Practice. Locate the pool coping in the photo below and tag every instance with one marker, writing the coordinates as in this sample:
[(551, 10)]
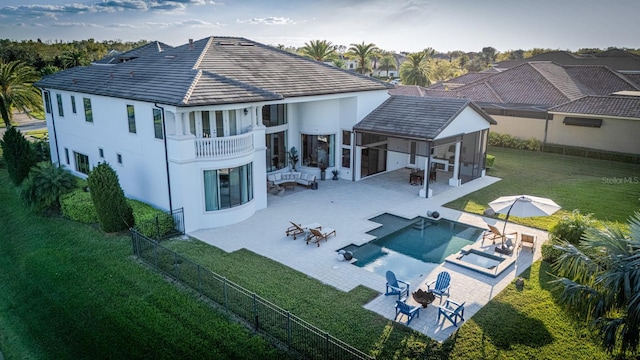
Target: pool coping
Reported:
[(505, 263)]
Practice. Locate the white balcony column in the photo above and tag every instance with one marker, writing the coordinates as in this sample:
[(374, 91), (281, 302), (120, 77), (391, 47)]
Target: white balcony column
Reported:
[(258, 112), (455, 181), (425, 181), (180, 124)]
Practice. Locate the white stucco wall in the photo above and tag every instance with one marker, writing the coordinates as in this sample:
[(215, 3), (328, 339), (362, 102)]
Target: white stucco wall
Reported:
[(468, 121), (620, 135)]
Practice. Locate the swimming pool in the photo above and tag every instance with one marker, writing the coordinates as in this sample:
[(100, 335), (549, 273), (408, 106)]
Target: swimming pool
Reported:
[(411, 247)]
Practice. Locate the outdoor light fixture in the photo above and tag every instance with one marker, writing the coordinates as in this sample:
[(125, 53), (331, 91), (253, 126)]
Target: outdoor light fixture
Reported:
[(246, 111)]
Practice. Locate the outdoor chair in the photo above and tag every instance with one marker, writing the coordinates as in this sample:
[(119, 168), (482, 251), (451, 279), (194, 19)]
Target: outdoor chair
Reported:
[(320, 233), (528, 240), (395, 286), (452, 310), (440, 286), (298, 229), (494, 233), (403, 308)]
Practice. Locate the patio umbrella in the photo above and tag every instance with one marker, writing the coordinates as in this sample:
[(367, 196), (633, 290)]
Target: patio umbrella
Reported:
[(523, 206)]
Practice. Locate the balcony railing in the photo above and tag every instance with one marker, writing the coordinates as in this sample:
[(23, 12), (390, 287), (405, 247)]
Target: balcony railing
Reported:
[(220, 147)]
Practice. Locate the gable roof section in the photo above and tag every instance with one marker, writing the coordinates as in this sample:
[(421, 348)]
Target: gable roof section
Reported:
[(422, 118), (213, 71), (614, 106), (144, 50)]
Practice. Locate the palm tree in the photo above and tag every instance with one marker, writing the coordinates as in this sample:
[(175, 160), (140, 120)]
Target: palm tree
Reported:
[(362, 52), (75, 58), (601, 279), (415, 71), (319, 50), (45, 184), (339, 63), (17, 90), (387, 63)]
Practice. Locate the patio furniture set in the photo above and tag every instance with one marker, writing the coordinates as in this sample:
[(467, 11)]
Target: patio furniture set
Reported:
[(451, 310), (313, 232), (509, 240)]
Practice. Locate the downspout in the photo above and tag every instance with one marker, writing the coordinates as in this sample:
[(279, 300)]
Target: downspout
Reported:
[(166, 156), (546, 127), (53, 123), (428, 170)]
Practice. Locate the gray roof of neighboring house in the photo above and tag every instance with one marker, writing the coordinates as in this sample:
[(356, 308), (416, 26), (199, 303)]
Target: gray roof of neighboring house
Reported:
[(460, 80), (616, 59), (543, 84), (616, 106), (415, 117), (144, 50), (633, 77), (220, 70), (408, 90)]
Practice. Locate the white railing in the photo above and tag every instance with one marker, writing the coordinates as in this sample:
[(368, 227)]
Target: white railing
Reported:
[(224, 146)]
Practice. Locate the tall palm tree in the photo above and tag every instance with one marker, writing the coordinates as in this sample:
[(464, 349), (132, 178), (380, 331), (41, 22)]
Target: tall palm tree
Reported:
[(601, 279), (75, 58), (415, 71), (17, 90), (362, 52), (387, 63), (319, 50)]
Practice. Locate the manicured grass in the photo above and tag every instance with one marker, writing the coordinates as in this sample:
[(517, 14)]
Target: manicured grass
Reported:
[(38, 134), (609, 190), (67, 291)]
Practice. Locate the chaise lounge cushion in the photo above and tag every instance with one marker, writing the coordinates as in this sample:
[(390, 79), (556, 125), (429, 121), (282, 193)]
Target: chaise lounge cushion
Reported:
[(299, 177)]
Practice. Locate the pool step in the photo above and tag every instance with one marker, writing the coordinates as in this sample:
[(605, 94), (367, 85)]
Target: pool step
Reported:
[(421, 224)]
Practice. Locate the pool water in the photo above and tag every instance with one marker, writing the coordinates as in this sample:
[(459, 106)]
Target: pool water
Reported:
[(411, 247)]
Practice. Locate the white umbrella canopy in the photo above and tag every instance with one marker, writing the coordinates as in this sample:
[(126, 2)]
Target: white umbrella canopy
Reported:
[(523, 206)]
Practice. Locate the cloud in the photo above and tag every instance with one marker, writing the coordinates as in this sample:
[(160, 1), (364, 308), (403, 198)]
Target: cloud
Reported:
[(195, 23), (272, 20), (76, 25)]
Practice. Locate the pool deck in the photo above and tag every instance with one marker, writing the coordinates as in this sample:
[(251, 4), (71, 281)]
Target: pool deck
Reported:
[(346, 206)]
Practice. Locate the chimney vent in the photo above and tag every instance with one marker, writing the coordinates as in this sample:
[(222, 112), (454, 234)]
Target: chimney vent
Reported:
[(190, 44)]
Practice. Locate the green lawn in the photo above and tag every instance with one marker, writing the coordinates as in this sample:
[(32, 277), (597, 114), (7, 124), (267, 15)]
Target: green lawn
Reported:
[(64, 285), (609, 190)]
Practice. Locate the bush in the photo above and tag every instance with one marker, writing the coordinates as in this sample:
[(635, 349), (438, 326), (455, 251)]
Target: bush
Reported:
[(549, 252), (44, 186), (18, 155), (571, 227), (508, 141), (490, 160), (114, 213), (146, 223), (77, 205), (41, 150)]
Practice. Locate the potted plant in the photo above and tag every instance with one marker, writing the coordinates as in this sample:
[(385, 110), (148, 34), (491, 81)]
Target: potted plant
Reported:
[(335, 173), (293, 157), (323, 170)]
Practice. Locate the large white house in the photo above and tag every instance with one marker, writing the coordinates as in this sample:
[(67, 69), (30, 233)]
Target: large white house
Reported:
[(200, 126)]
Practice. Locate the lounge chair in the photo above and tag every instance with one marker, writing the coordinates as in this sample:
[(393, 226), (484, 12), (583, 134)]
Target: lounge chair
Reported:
[(494, 233), (298, 229), (440, 286), (395, 286), (528, 240), (403, 308), (451, 310), (320, 233)]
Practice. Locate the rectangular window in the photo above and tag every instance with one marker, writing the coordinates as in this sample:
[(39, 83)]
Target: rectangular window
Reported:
[(578, 121), (120, 159), (274, 115), (88, 113), (47, 102), (346, 149), (206, 124), (73, 104), (276, 151), (66, 155), (60, 108), (219, 124), (131, 115), (318, 150), (226, 188), (157, 124), (101, 152), (82, 163)]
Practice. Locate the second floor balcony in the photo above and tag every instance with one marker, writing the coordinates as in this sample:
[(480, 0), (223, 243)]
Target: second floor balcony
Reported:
[(223, 147)]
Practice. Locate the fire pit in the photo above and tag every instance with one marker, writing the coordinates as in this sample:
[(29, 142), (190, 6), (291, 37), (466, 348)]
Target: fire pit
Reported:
[(423, 297)]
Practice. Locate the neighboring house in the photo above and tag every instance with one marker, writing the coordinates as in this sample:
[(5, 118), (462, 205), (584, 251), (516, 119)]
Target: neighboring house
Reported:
[(519, 98), (616, 59), (598, 122), (115, 57), (200, 126)]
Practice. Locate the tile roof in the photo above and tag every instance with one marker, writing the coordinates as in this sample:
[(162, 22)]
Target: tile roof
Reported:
[(144, 50), (616, 106), (415, 117), (541, 84), (459, 81), (219, 70), (408, 90), (616, 59)]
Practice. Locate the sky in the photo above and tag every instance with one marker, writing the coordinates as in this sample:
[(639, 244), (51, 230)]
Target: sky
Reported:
[(393, 25)]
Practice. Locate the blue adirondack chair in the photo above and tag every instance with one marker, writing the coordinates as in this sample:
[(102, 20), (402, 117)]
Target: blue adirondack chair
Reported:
[(451, 310), (396, 287), (440, 286), (403, 308)]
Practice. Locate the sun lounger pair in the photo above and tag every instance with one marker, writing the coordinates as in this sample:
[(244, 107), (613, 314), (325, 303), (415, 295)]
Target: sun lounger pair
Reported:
[(315, 230), (299, 229)]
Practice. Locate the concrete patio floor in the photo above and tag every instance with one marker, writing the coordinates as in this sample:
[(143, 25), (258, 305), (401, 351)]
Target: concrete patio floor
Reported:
[(346, 206)]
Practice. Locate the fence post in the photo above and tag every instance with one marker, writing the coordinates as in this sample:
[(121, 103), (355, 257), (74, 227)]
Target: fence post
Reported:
[(155, 254), (226, 298), (289, 329), (157, 228), (255, 311), (326, 345)]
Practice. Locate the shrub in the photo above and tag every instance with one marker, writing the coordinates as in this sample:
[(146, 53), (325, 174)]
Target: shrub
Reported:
[(146, 222), (18, 155), (549, 252), (114, 213), (77, 205), (45, 184), (41, 150), (490, 160), (571, 227)]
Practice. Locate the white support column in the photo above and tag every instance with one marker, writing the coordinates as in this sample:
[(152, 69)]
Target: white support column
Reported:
[(425, 180), (180, 124), (455, 181), (257, 114)]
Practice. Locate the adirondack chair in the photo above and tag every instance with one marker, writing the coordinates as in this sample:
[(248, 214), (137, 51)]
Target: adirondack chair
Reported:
[(440, 286), (453, 311), (395, 286), (403, 308)]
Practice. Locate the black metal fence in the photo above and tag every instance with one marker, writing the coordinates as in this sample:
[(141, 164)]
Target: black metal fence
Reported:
[(263, 316), (163, 226)]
